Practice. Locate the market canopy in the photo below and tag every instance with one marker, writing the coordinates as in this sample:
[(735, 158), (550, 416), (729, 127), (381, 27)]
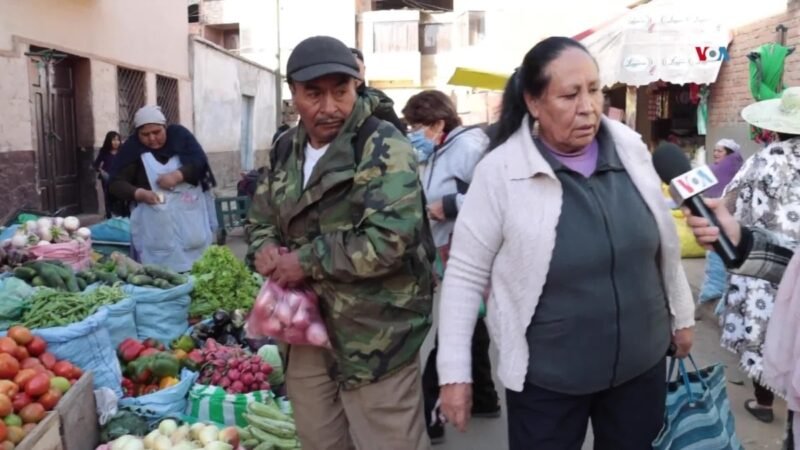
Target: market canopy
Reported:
[(677, 41), (478, 79)]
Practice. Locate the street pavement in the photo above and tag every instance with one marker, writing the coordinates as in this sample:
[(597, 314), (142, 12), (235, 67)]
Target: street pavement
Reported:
[(491, 434)]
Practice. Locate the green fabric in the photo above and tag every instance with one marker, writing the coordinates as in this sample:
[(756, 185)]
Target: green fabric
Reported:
[(702, 111), (766, 72), (359, 233), (212, 403)]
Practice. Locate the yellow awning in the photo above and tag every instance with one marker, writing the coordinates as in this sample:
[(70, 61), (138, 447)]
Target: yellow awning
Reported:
[(478, 79)]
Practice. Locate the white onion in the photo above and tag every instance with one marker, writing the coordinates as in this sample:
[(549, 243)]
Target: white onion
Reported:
[(44, 223), (196, 429), (208, 434), (122, 442), (71, 224), (162, 443), (167, 427), (216, 445), (19, 240), (84, 233), (150, 439), (58, 222), (30, 226), (45, 233)]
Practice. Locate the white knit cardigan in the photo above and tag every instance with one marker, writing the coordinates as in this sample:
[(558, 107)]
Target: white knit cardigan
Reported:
[(505, 234)]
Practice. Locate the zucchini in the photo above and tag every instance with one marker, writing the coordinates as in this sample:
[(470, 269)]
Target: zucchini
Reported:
[(122, 272), (89, 276), (140, 280), (162, 284), (164, 273), (278, 442), (107, 278), (24, 273), (278, 428), (52, 277), (261, 446), (269, 411)]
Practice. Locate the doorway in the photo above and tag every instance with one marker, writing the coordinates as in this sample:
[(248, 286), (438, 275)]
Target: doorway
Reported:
[(246, 142), (58, 154)]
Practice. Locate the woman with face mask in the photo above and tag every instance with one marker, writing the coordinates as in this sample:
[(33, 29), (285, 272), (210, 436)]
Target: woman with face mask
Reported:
[(448, 153)]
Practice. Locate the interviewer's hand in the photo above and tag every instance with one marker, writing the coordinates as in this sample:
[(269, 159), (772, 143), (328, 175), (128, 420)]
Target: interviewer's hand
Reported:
[(705, 233)]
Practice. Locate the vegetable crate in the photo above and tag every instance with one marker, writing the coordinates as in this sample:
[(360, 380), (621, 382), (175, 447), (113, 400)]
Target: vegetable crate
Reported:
[(78, 416), (45, 436), (231, 213)]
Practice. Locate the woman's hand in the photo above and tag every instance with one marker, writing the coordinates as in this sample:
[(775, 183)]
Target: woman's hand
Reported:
[(682, 340), (145, 196), (170, 180), (707, 234), (457, 404), (436, 211)]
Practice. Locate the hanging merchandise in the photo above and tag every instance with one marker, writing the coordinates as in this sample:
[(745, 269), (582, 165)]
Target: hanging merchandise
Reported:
[(702, 110), (766, 78)]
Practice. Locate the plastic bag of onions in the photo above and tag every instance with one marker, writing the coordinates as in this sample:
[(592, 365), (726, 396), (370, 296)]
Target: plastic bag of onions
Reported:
[(291, 316)]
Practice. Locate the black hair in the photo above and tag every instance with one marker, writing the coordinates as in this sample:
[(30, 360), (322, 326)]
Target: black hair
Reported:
[(358, 54), (107, 142), (530, 77), (786, 136)]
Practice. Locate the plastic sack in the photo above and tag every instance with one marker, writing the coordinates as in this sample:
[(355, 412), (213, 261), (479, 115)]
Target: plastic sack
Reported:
[(8, 232), (689, 246), (291, 316), (121, 323), (77, 255), (117, 230), (166, 402), (715, 281), (212, 403), (87, 345), (161, 314), (13, 300)]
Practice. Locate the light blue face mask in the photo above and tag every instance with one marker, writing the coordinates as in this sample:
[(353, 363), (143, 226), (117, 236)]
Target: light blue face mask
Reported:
[(422, 144)]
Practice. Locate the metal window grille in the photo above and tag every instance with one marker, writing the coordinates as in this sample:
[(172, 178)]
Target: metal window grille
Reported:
[(131, 97), (167, 98)]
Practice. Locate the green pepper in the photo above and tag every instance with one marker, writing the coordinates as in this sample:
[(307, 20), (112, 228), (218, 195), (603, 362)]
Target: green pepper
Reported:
[(185, 343), (165, 365)]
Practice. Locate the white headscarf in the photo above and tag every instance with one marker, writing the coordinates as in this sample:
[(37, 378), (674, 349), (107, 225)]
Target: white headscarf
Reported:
[(729, 144), (149, 114)]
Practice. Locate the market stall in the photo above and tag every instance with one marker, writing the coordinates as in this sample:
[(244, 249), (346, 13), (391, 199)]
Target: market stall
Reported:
[(135, 356), (657, 64)]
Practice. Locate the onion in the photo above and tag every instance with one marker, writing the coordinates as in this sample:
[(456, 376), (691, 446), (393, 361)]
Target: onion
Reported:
[(317, 334), (30, 226), (180, 434), (44, 223), (84, 233), (43, 243), (150, 439), (162, 443), (195, 430), (208, 434), (19, 240), (58, 222), (167, 427), (33, 239), (218, 446), (283, 312), (5, 243), (44, 233), (302, 319), (126, 442), (71, 224), (185, 445)]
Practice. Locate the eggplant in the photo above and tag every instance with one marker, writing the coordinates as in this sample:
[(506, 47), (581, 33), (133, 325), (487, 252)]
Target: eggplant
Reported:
[(221, 318)]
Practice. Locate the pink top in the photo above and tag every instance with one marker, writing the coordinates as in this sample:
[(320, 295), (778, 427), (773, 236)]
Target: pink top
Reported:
[(584, 162)]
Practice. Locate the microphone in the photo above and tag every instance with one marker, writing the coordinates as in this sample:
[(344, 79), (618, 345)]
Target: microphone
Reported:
[(686, 186)]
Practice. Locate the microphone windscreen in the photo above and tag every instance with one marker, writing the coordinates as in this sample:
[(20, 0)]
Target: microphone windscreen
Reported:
[(670, 162)]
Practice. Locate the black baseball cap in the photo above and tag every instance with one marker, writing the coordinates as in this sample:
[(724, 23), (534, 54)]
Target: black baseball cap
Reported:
[(319, 56)]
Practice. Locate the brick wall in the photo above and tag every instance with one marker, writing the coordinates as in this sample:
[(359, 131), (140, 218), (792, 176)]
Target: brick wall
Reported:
[(731, 92)]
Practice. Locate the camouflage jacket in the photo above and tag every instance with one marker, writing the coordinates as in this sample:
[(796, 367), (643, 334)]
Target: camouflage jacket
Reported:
[(358, 229)]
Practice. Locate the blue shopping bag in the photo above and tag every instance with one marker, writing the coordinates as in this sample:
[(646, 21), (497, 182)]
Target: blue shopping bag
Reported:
[(698, 414)]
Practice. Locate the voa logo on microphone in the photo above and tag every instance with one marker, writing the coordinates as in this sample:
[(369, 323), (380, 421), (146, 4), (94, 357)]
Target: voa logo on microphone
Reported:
[(694, 182)]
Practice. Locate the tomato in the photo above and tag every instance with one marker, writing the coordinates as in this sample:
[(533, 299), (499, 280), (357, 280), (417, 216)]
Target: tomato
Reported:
[(3, 432), (60, 383), (8, 345), (36, 346), (8, 388), (32, 413), (6, 407), (63, 369), (30, 363), (13, 420), (21, 353), (50, 399), (20, 401), (16, 434), (28, 427), (77, 373), (24, 375), (21, 335), (37, 385), (9, 366), (7, 445), (48, 360)]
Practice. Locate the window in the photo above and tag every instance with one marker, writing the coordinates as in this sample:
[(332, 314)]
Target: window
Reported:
[(436, 38), (194, 13), (230, 39), (167, 98), (477, 27), (130, 97), (389, 37)]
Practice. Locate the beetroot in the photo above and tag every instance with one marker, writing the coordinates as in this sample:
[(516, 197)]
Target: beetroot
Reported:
[(215, 378), (247, 378), (264, 386), (237, 386), (260, 376), (234, 374)]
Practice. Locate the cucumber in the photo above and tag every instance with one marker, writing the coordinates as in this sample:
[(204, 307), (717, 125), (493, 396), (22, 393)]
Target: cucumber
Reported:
[(267, 411), (122, 272), (164, 273), (81, 284), (107, 278), (275, 427), (24, 273), (261, 446), (140, 280), (52, 277), (162, 284), (89, 276), (37, 281), (278, 442)]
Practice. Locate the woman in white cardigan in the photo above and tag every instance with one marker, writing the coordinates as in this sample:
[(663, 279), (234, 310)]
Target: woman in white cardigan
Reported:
[(566, 219)]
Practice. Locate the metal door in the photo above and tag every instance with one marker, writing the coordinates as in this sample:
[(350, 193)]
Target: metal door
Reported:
[(246, 142)]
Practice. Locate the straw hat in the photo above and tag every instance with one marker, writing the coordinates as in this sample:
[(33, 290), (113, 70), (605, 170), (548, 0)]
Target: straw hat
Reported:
[(781, 115)]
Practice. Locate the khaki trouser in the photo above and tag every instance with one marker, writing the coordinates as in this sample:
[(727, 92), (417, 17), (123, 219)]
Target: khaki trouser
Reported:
[(386, 415)]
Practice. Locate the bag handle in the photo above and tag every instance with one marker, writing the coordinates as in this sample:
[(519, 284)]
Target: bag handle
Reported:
[(684, 374)]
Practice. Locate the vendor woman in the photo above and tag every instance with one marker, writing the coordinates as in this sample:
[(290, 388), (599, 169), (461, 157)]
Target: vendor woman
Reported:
[(163, 174)]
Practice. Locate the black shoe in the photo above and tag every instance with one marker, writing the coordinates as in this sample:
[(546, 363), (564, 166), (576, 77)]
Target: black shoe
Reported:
[(763, 414), (436, 433), (486, 413)]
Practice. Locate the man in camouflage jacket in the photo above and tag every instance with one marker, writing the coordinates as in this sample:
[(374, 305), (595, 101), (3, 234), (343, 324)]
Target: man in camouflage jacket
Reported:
[(354, 224)]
